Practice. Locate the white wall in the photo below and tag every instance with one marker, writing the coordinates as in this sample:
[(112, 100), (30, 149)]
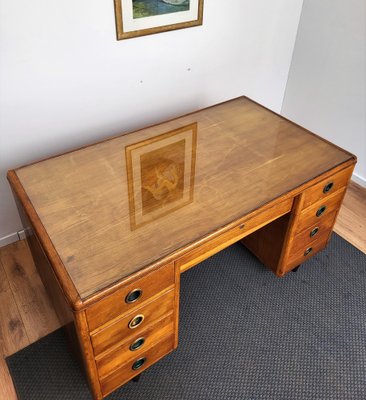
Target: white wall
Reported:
[(66, 81), (326, 90)]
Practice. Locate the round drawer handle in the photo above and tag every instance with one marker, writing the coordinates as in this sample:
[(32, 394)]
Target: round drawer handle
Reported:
[(136, 321), (321, 211), (314, 231), (328, 187), (138, 363), (133, 296), (308, 251), (138, 343)]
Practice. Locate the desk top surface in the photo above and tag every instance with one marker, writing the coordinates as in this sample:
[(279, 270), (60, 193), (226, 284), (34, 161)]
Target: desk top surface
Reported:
[(114, 207)]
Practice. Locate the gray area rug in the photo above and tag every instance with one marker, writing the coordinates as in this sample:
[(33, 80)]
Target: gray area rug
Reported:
[(244, 334)]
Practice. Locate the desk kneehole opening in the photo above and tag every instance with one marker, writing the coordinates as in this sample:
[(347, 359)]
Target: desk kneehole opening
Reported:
[(138, 363), (136, 321)]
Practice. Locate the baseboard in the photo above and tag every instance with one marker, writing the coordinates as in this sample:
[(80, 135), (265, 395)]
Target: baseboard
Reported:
[(360, 180), (13, 237)]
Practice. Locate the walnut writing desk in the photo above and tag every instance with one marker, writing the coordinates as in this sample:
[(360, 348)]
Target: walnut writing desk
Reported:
[(114, 224)]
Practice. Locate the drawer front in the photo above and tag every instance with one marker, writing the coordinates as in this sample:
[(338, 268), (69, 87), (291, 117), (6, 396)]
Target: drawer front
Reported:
[(140, 342), (140, 290), (224, 240), (327, 187), (319, 211), (301, 251), (314, 232), (126, 372), (122, 329)]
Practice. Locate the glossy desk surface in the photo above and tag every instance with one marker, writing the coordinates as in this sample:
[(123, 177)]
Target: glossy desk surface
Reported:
[(114, 207)]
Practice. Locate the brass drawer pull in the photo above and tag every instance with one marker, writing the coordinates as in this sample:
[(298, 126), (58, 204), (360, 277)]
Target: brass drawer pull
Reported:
[(314, 231), (328, 187), (136, 321), (308, 251), (138, 363), (138, 343), (321, 211), (133, 296)]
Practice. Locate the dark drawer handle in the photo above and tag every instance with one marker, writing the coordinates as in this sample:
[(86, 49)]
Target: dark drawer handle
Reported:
[(321, 211), (314, 231), (133, 296), (138, 363), (308, 251), (136, 321), (328, 187), (138, 343)]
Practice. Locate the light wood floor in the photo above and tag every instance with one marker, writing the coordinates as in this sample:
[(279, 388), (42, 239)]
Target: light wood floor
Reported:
[(25, 311)]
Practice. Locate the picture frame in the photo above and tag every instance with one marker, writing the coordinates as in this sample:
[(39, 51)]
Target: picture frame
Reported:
[(160, 174), (144, 17)]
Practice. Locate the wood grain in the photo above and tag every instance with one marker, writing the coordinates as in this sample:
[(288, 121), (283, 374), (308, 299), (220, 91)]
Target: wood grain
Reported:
[(351, 221), (252, 167), (122, 354), (246, 227), (152, 285), (317, 192), (13, 336), (126, 373), (28, 289), (246, 155), (308, 216), (120, 331)]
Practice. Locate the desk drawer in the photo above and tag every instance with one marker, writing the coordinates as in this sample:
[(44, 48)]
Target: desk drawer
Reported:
[(122, 329), (233, 235), (301, 252), (322, 226), (116, 304), (327, 187), (319, 211), (141, 341), (126, 371)]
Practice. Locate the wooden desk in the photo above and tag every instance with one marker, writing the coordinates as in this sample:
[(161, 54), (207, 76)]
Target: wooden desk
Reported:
[(114, 224)]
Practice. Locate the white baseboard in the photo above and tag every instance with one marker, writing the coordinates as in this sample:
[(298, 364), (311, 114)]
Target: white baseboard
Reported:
[(359, 180), (13, 237)]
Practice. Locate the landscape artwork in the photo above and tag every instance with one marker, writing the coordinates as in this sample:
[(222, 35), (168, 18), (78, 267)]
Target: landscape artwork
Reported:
[(148, 8), (144, 17)]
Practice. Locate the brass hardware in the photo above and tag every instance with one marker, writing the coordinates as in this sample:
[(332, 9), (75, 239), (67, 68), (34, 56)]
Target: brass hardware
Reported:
[(314, 231), (321, 211), (138, 363), (136, 321), (328, 187), (133, 296), (138, 343), (308, 251)]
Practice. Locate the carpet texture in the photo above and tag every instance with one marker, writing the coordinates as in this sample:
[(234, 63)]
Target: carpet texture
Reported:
[(244, 334)]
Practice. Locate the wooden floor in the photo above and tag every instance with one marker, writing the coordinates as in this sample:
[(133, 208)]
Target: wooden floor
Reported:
[(26, 314)]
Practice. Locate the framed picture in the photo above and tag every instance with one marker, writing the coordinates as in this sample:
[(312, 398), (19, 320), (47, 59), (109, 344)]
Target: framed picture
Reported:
[(144, 17), (160, 174)]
